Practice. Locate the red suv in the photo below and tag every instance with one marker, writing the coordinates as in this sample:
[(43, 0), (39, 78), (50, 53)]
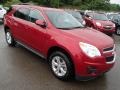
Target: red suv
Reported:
[(70, 49), (100, 22)]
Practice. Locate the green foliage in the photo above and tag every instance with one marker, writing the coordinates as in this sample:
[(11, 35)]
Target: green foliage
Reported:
[(79, 4)]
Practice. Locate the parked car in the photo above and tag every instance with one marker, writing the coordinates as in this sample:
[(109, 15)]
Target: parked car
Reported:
[(70, 49), (100, 22), (115, 18), (2, 13), (78, 16)]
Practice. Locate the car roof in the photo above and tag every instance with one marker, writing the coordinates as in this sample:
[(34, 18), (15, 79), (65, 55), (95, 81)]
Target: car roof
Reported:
[(38, 7)]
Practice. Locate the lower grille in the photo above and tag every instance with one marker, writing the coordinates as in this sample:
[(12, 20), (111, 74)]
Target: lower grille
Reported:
[(109, 59), (108, 28)]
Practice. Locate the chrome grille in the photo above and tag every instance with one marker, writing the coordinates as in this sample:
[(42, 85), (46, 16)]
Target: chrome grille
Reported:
[(108, 27)]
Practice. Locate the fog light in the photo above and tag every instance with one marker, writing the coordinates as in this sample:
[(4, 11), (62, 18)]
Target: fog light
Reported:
[(92, 70)]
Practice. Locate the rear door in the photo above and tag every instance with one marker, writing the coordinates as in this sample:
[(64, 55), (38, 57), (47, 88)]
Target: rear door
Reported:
[(20, 20)]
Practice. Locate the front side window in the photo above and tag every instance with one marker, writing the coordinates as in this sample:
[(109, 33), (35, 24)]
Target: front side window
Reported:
[(63, 20), (35, 15), (22, 13)]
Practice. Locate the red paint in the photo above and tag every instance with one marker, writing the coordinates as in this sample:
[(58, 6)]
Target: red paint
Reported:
[(91, 22), (42, 39)]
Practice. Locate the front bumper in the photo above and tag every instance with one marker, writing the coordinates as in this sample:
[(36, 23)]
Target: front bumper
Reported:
[(91, 68), (107, 31)]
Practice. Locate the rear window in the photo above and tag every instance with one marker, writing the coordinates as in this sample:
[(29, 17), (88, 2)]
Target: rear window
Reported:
[(10, 9), (22, 13)]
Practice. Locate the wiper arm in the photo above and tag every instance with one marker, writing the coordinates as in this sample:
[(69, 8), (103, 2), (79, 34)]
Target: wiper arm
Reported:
[(77, 27), (65, 28), (71, 28)]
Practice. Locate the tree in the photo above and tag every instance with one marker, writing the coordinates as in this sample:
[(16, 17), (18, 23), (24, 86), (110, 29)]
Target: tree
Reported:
[(80, 4)]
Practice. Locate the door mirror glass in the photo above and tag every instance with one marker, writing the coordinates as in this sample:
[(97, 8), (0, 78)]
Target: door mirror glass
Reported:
[(41, 23)]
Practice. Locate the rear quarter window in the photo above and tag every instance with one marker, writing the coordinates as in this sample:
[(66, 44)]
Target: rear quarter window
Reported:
[(22, 13), (9, 10)]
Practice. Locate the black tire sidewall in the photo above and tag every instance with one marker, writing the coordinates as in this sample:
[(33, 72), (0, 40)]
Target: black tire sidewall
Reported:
[(69, 74), (12, 39)]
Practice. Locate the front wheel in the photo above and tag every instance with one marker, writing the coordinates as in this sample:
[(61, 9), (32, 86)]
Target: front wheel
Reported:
[(9, 39), (61, 66)]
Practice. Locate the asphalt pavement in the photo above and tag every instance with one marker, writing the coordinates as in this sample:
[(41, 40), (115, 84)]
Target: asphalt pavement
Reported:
[(20, 69)]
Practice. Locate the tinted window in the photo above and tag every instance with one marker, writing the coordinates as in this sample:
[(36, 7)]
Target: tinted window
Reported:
[(35, 15), (115, 16), (99, 16), (9, 9), (22, 13), (89, 15)]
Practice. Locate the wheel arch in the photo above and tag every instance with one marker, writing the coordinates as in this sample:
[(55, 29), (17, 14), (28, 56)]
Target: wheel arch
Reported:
[(57, 48), (6, 28)]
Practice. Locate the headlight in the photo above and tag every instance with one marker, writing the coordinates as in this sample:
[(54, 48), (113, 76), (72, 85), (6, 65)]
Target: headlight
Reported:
[(114, 25), (84, 23), (98, 24), (90, 50)]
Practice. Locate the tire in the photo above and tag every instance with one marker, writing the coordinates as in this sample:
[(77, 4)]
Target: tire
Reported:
[(110, 34), (9, 38), (61, 66), (118, 31)]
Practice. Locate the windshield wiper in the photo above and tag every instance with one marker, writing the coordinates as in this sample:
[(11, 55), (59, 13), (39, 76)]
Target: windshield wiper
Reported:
[(64, 28), (78, 27), (71, 28)]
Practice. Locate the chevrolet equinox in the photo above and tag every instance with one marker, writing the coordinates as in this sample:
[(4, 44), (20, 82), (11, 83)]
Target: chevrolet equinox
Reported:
[(70, 49)]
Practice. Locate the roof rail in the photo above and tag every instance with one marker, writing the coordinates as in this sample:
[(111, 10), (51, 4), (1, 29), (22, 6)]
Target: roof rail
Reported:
[(25, 4)]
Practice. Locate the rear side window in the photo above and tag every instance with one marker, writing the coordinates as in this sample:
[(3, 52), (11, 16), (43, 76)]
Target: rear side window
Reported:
[(9, 10), (90, 15), (35, 15), (22, 13)]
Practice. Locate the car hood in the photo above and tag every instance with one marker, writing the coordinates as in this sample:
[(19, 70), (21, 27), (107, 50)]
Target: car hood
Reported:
[(91, 36), (105, 23)]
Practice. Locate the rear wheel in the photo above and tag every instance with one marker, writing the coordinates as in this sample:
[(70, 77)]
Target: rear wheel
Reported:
[(61, 66), (9, 38)]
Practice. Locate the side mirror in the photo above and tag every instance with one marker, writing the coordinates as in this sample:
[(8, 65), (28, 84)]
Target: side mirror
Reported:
[(41, 23), (90, 18)]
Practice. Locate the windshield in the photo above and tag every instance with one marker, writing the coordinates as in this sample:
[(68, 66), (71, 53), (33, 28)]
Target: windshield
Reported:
[(75, 14), (63, 20), (98, 16), (115, 16)]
